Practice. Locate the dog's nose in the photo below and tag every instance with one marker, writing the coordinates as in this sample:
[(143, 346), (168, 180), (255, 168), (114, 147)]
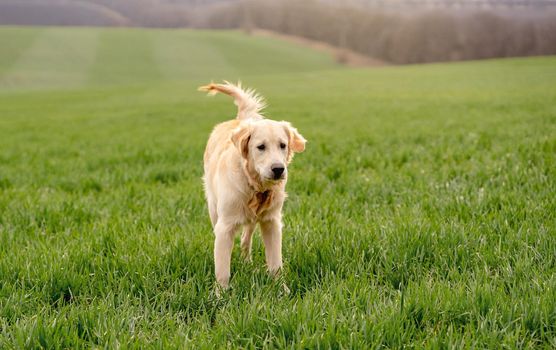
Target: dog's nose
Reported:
[(277, 170)]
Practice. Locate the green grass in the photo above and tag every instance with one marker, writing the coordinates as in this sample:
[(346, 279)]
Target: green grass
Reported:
[(422, 213), (54, 58), (62, 58), (14, 41)]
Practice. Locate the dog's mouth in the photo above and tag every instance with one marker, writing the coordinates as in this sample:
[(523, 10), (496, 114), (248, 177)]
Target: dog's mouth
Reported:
[(273, 178)]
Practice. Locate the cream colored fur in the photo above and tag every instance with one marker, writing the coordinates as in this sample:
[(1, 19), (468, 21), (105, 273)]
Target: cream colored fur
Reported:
[(242, 162)]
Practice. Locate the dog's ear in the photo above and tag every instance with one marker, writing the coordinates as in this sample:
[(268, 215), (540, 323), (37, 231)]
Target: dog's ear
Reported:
[(296, 140), (240, 138)]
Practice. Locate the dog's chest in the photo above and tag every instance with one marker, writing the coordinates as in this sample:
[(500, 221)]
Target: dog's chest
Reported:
[(260, 202)]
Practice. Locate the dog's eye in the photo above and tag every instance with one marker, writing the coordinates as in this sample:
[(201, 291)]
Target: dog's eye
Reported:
[(282, 145), (261, 147)]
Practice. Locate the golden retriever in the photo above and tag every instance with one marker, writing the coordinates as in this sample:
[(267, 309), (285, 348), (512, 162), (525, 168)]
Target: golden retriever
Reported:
[(245, 166)]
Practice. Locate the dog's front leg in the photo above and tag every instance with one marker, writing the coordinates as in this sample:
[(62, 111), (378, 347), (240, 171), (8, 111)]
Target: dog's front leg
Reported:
[(272, 237), (223, 245)]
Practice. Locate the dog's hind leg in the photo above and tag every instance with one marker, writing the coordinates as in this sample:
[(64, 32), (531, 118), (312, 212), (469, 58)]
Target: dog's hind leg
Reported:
[(246, 238)]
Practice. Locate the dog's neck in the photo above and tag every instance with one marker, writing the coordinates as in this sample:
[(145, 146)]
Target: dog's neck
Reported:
[(252, 177), (260, 201), (254, 180), (261, 195)]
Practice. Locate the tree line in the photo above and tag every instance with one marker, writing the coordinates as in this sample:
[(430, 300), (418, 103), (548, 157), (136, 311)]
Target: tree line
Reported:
[(399, 37)]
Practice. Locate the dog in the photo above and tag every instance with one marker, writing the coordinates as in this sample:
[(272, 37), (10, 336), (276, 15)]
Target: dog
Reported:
[(245, 175)]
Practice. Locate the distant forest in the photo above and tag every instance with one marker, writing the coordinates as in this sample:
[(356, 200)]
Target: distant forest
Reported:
[(397, 31)]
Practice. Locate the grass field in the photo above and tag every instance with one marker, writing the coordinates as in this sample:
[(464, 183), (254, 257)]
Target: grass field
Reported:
[(422, 213)]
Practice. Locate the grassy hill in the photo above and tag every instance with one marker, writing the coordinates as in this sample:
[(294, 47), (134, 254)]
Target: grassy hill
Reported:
[(80, 57), (58, 12), (421, 213)]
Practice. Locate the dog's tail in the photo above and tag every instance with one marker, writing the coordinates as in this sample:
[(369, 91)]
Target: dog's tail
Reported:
[(249, 103)]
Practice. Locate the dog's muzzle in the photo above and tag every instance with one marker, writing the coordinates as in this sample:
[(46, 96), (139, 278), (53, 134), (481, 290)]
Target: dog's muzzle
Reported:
[(277, 171)]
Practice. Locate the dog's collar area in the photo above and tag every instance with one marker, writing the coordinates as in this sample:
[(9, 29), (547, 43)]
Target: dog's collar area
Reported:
[(260, 201), (261, 197), (252, 180)]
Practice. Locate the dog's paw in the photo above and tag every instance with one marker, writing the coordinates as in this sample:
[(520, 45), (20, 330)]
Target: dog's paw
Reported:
[(246, 257), (219, 291), (285, 291)]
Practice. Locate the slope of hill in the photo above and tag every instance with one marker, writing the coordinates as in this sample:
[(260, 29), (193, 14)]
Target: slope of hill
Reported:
[(439, 31), (145, 13), (58, 12), (77, 57)]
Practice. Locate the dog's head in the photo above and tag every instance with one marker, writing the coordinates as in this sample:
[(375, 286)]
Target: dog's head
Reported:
[(268, 147)]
